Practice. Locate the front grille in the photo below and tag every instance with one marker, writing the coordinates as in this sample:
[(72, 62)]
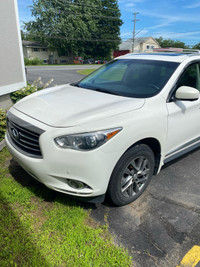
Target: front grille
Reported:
[(24, 137)]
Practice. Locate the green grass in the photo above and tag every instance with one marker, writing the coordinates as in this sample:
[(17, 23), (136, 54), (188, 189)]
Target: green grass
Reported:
[(113, 74), (86, 72), (39, 227)]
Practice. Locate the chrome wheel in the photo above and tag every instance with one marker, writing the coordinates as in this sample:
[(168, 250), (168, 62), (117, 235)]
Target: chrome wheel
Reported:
[(135, 176)]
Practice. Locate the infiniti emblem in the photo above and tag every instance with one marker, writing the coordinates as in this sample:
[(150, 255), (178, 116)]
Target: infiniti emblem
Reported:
[(15, 133)]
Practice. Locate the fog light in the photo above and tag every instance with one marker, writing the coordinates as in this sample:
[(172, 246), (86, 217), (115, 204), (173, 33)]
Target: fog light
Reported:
[(76, 184)]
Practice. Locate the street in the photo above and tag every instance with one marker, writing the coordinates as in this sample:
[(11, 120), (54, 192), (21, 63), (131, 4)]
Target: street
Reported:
[(161, 226), (61, 74)]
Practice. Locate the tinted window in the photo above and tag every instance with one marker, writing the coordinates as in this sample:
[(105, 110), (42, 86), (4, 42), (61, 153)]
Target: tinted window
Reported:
[(190, 77), (134, 78)]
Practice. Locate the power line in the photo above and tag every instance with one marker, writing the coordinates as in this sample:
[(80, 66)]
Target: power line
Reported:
[(93, 6), (94, 16), (88, 15), (71, 39), (78, 14)]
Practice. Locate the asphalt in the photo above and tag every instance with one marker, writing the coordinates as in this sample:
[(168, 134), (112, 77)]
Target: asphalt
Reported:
[(161, 226), (164, 223), (59, 74)]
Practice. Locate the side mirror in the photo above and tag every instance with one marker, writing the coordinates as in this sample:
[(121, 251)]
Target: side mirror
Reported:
[(187, 93)]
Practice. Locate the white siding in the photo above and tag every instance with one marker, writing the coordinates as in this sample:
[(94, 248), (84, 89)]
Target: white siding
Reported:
[(12, 73)]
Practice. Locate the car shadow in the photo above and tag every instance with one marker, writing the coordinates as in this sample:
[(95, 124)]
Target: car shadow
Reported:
[(43, 192)]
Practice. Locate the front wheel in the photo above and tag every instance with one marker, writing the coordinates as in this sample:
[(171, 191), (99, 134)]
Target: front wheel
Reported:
[(131, 175)]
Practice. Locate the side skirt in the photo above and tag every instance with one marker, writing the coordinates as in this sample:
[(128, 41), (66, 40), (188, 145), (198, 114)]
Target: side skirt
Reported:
[(183, 150)]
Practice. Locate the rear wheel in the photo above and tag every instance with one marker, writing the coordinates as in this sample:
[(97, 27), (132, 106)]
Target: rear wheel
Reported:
[(131, 175)]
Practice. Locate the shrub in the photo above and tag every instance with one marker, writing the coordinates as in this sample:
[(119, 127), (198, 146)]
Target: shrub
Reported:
[(16, 96), (2, 124), (29, 89), (34, 61)]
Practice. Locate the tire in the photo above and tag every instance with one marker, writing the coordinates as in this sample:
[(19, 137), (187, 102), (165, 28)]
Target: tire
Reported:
[(131, 175)]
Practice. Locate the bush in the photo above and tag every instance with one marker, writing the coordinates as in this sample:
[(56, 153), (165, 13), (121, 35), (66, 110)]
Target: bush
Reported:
[(29, 89), (16, 96), (2, 124), (34, 61)]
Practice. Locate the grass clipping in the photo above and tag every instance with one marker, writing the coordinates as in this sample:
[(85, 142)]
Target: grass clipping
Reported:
[(39, 227)]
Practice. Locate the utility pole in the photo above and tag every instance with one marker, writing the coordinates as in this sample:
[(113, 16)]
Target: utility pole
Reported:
[(135, 14)]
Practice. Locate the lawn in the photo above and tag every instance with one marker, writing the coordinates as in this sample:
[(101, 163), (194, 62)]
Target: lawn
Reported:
[(40, 227), (86, 72)]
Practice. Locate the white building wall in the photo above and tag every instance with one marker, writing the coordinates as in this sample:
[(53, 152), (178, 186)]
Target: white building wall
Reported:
[(12, 71)]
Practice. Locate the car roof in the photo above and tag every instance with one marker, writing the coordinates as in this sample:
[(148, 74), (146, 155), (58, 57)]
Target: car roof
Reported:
[(173, 57)]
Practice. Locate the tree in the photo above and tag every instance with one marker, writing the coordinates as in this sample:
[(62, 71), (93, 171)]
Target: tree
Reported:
[(76, 27), (108, 30), (170, 43), (196, 46)]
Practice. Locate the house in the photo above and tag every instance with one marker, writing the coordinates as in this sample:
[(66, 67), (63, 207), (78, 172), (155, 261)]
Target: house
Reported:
[(33, 49), (142, 44)]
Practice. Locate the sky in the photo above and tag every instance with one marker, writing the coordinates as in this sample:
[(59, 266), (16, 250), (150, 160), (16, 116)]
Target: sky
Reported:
[(170, 19)]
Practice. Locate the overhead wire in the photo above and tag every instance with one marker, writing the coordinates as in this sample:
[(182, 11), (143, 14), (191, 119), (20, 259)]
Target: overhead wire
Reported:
[(71, 39), (94, 6)]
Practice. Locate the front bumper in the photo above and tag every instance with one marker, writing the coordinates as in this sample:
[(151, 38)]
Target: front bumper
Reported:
[(57, 166)]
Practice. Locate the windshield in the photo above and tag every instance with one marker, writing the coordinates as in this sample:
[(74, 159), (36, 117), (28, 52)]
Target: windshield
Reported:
[(130, 77)]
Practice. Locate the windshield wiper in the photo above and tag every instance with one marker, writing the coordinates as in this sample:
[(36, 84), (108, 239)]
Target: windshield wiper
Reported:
[(105, 91), (75, 84), (95, 89)]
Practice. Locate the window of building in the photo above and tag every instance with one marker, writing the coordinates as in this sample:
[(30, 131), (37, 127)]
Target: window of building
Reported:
[(44, 49), (35, 49), (63, 61)]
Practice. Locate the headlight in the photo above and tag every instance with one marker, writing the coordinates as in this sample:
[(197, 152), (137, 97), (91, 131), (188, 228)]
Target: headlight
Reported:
[(86, 141)]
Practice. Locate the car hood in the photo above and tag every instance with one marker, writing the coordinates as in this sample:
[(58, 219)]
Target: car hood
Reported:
[(66, 106)]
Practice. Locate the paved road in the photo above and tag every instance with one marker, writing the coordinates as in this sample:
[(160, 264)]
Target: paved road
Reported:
[(164, 223), (60, 74)]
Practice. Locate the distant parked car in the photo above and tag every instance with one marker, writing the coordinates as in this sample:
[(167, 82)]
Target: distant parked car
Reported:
[(78, 60), (100, 61), (88, 61)]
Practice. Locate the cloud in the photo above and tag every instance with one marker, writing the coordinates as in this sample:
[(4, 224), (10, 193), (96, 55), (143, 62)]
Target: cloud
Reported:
[(193, 5), (129, 5), (128, 1), (125, 35), (176, 35), (140, 33)]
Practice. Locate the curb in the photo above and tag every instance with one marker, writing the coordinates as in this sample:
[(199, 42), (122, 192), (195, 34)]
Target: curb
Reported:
[(2, 144)]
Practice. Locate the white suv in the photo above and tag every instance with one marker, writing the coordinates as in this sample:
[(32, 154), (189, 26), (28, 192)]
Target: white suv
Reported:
[(110, 132)]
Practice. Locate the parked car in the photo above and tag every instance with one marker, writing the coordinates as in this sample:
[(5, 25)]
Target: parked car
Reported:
[(88, 61), (110, 132), (78, 60), (99, 61)]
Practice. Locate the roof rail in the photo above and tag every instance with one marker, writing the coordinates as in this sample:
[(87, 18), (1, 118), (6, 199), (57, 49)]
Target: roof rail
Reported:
[(191, 51), (178, 50)]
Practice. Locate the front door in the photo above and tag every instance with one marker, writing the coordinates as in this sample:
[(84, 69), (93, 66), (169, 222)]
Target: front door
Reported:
[(184, 117)]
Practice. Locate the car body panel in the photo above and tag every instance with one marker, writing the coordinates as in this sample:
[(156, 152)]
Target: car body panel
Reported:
[(68, 106)]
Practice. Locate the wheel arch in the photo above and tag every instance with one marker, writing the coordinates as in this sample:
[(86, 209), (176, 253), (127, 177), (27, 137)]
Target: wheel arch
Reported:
[(155, 146)]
